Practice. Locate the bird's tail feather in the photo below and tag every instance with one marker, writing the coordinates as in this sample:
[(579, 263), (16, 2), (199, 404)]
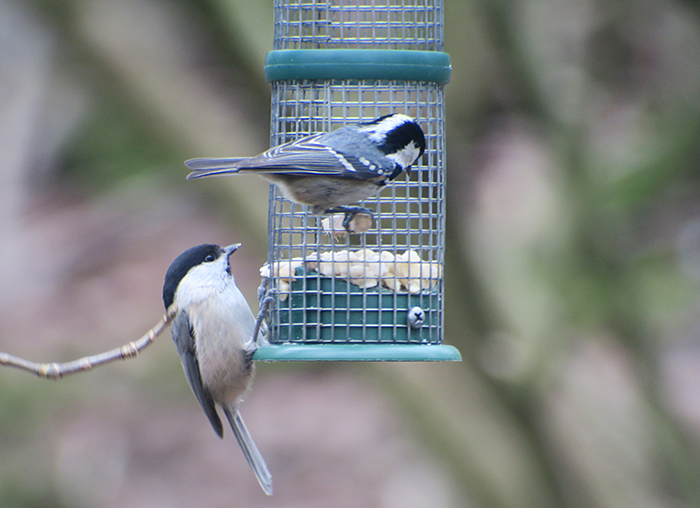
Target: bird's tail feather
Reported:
[(251, 452), (210, 166)]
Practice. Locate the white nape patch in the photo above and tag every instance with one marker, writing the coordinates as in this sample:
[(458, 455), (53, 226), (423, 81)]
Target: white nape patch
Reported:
[(406, 156), (342, 160), (380, 130), (202, 282)]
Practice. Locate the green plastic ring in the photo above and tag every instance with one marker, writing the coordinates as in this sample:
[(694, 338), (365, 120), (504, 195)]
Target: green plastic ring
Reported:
[(357, 353), (357, 64)]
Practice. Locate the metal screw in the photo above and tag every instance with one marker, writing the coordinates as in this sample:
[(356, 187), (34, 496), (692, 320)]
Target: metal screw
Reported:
[(415, 318)]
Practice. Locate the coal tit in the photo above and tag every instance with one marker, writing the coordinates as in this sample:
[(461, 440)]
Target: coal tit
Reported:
[(332, 170), (213, 333)]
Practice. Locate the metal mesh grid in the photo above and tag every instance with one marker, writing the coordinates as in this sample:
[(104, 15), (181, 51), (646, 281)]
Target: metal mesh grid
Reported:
[(359, 24), (313, 307), (409, 215)]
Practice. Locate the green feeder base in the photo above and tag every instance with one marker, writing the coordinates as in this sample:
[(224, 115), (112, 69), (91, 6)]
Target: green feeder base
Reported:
[(357, 353), (327, 310)]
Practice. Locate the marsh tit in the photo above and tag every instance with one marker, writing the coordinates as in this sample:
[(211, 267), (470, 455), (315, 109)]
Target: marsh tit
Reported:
[(213, 332), (332, 170)]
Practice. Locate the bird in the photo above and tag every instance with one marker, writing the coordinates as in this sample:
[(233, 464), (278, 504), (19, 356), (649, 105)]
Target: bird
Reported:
[(329, 171), (213, 331)]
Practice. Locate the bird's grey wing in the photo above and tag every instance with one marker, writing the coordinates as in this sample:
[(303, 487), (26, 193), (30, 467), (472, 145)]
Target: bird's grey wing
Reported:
[(183, 336), (304, 157)]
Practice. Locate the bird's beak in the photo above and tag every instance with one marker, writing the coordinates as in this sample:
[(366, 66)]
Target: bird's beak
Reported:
[(408, 171), (231, 249)]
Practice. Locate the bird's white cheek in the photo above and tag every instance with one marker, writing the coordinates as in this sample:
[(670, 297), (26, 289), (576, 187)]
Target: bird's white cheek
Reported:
[(201, 282), (406, 156)]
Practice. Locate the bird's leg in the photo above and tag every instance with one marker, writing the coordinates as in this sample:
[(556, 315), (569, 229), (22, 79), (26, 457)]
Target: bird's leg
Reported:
[(262, 290), (349, 209), (266, 300)]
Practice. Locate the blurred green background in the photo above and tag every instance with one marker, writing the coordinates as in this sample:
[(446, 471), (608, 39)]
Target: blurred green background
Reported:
[(573, 270)]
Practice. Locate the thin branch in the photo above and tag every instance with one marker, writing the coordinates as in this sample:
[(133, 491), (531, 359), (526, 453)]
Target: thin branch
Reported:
[(58, 370)]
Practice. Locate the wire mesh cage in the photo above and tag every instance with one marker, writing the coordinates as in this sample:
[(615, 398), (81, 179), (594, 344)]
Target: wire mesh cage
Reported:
[(360, 24), (377, 293)]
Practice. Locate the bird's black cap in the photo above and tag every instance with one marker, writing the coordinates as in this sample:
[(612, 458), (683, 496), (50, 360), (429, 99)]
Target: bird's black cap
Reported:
[(402, 135)]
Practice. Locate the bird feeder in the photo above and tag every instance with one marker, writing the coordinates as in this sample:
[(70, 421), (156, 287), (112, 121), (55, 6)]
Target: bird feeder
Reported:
[(375, 294)]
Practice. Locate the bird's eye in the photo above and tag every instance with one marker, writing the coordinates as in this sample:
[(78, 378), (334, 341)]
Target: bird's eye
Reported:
[(210, 258)]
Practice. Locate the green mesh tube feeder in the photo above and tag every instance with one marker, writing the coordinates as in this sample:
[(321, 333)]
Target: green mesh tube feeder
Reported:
[(375, 295)]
